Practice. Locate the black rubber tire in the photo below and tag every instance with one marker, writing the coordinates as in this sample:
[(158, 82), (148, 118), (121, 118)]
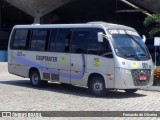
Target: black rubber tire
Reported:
[(35, 75), (97, 83), (130, 91)]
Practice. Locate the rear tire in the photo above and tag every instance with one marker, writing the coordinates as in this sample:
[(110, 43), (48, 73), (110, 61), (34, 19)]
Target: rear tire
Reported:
[(130, 91), (97, 86), (35, 79)]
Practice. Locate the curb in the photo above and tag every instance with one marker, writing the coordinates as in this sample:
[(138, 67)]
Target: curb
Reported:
[(152, 88)]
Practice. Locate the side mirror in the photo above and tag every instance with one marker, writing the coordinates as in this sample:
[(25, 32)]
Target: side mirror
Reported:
[(100, 37), (144, 38)]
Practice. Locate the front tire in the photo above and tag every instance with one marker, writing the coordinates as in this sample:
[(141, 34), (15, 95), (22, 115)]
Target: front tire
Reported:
[(97, 86), (35, 79), (131, 91)]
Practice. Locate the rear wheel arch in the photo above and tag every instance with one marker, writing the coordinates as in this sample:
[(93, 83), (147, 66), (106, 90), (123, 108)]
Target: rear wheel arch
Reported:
[(31, 70), (40, 81)]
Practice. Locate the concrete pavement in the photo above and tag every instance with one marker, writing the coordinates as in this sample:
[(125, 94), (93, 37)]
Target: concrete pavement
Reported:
[(152, 88), (16, 94)]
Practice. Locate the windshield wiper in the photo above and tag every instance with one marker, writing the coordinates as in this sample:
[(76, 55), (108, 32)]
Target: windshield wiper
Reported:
[(133, 56), (143, 55)]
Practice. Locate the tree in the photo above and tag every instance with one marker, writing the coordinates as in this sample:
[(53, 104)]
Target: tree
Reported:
[(154, 23)]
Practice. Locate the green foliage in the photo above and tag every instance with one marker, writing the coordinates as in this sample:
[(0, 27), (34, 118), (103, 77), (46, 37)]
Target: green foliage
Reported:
[(154, 31), (155, 18), (156, 81), (150, 20)]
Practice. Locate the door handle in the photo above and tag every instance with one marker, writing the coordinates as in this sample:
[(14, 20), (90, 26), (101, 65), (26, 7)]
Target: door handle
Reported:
[(71, 64)]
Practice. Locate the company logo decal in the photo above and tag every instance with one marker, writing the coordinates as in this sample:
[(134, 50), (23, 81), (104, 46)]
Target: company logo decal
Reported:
[(14, 56)]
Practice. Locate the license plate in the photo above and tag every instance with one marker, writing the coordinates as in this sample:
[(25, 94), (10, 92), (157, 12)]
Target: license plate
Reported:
[(143, 78)]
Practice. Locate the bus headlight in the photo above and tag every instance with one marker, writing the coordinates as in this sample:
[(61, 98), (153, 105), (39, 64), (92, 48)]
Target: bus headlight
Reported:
[(125, 71)]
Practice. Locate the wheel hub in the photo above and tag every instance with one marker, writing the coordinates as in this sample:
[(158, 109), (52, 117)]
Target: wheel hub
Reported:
[(35, 78), (98, 86)]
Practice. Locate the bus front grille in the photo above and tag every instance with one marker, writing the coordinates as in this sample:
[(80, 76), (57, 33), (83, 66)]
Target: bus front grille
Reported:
[(136, 74)]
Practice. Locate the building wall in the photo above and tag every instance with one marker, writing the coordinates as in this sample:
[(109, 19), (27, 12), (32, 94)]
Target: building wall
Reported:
[(76, 11)]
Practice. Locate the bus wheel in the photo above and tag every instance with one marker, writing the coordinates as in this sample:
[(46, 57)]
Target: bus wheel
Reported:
[(97, 86), (130, 91), (35, 79)]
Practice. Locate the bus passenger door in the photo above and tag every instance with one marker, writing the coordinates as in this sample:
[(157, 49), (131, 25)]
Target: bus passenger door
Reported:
[(78, 49), (62, 68), (59, 44)]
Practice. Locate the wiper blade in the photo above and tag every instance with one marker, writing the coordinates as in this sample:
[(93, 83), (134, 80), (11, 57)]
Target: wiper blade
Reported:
[(143, 55), (133, 56)]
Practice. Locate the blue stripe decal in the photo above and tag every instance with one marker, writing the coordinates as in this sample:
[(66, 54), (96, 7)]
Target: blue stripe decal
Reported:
[(30, 63)]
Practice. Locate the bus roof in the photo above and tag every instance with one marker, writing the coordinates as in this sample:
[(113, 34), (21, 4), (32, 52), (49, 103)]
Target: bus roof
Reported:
[(89, 24)]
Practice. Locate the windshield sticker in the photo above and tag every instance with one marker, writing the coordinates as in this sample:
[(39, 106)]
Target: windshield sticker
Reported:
[(116, 50), (96, 62), (134, 65)]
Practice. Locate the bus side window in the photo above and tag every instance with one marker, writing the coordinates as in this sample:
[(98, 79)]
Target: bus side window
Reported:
[(68, 40), (52, 43), (94, 46), (60, 43), (20, 39), (105, 49), (39, 39), (79, 42)]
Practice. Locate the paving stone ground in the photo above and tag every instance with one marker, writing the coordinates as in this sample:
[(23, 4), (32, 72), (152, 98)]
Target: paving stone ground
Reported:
[(16, 94)]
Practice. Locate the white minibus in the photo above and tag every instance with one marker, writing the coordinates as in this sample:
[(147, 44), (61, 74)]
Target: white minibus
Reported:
[(96, 55)]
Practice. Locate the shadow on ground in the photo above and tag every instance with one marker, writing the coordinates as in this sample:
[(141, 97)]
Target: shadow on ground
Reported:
[(73, 90)]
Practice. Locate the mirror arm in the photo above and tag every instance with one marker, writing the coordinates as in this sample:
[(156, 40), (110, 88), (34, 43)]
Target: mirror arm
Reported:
[(144, 38)]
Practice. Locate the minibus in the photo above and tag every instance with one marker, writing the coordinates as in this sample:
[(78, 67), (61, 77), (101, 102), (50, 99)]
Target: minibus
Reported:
[(97, 55)]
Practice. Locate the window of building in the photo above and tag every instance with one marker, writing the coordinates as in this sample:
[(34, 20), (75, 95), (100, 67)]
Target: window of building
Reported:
[(39, 40)]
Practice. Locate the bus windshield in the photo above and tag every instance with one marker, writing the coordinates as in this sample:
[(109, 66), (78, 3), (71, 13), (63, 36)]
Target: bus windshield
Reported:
[(130, 47)]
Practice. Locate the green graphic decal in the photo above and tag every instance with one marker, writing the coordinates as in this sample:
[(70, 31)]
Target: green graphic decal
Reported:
[(134, 65), (14, 56), (96, 62), (63, 60)]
